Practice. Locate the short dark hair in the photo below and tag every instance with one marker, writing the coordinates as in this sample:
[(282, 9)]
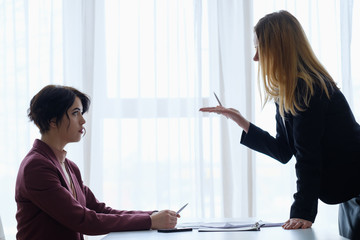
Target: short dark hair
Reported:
[(53, 101)]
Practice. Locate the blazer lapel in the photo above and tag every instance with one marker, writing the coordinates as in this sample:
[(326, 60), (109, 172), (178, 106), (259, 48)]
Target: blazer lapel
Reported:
[(78, 190), (64, 178)]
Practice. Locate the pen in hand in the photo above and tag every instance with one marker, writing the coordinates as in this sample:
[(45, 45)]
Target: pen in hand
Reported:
[(181, 208), (217, 99)]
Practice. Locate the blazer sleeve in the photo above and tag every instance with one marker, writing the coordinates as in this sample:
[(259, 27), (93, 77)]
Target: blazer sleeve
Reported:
[(44, 189), (261, 141)]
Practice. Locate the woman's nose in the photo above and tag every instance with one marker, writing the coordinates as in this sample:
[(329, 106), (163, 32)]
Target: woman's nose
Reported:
[(83, 121), (256, 56)]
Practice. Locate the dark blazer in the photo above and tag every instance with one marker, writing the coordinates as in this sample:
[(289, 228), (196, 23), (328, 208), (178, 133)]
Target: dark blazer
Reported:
[(46, 208), (325, 140)]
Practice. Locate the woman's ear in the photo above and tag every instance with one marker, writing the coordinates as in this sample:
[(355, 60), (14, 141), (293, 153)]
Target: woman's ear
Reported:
[(52, 123)]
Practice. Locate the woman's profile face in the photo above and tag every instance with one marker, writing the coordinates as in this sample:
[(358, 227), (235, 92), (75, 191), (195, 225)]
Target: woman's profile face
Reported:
[(71, 129)]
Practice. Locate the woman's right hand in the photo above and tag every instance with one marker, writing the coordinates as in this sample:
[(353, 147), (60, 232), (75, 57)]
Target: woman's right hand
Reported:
[(231, 113)]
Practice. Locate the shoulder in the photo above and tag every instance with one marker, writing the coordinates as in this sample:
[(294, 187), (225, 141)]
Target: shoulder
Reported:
[(320, 98), (35, 160), (37, 171)]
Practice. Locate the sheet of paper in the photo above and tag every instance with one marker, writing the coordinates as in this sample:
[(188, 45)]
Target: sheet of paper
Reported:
[(212, 229), (225, 225)]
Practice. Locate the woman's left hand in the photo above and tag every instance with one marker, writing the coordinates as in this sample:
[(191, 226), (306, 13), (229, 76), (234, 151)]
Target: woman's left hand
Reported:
[(296, 223)]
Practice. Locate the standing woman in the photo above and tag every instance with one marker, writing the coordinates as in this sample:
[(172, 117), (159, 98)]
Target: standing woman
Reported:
[(52, 201), (314, 123)]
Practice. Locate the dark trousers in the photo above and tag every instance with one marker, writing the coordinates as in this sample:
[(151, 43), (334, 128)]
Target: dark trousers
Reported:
[(349, 219)]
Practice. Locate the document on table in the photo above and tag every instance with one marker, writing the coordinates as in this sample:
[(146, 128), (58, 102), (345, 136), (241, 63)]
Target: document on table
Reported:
[(231, 229), (230, 226)]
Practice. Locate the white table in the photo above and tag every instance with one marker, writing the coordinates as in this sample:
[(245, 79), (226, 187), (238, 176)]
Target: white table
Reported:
[(314, 233)]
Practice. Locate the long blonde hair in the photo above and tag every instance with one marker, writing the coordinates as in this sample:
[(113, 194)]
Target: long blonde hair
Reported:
[(285, 57)]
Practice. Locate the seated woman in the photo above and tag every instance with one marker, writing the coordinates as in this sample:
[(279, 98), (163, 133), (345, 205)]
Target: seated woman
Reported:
[(52, 201)]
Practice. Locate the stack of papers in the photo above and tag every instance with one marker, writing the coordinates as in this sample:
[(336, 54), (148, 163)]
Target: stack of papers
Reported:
[(230, 226)]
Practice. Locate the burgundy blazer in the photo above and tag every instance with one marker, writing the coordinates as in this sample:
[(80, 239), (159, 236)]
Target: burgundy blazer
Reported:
[(46, 208)]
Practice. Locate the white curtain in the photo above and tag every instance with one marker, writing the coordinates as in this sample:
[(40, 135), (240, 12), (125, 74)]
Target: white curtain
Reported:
[(151, 75), (148, 66), (231, 77), (355, 59)]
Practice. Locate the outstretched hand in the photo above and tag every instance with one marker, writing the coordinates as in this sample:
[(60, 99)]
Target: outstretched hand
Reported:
[(231, 113), (296, 223)]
